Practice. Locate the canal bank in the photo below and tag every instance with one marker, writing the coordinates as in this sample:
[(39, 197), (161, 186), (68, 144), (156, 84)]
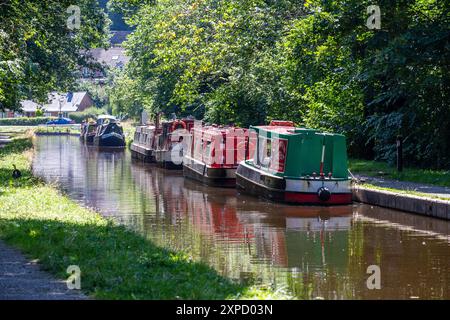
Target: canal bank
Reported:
[(421, 199), (115, 262)]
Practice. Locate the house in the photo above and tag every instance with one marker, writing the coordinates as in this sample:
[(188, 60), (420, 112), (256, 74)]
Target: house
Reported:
[(59, 104), (110, 59)]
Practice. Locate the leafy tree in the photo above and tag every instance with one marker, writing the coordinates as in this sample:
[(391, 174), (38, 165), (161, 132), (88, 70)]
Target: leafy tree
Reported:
[(315, 62), (38, 53)]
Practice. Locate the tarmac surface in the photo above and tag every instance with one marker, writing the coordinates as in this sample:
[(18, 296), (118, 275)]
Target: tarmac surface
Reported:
[(22, 279)]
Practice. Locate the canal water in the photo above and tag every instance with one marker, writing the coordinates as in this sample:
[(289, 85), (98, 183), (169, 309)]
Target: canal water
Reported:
[(310, 252)]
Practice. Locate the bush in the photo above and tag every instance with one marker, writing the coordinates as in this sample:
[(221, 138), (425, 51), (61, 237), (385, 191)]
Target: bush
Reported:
[(92, 112), (25, 121)]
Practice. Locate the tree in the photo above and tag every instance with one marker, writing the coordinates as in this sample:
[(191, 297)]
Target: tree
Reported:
[(315, 62), (38, 52)]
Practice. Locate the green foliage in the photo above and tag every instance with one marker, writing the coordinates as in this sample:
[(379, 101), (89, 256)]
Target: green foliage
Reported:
[(39, 112), (25, 121), (313, 61), (38, 53), (97, 92), (91, 112)]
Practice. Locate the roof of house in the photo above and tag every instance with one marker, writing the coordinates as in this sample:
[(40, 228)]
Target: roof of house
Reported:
[(29, 106), (112, 57), (70, 103)]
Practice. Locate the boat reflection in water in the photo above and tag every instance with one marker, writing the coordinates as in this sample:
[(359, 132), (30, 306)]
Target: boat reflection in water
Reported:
[(255, 237), (308, 251)]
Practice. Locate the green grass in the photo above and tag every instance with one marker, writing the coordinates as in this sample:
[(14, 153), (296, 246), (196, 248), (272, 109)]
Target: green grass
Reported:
[(57, 130), (116, 263), (15, 130), (377, 168)]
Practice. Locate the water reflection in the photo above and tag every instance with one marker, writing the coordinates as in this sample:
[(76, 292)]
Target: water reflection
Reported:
[(310, 251)]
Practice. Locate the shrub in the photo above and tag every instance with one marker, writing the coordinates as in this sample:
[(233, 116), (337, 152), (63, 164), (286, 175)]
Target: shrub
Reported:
[(25, 121), (92, 112)]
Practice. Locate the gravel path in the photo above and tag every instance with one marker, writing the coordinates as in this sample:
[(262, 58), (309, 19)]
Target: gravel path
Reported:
[(21, 279), (443, 192)]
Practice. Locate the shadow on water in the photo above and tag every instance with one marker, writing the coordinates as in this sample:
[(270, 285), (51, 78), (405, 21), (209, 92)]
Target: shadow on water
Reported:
[(310, 251)]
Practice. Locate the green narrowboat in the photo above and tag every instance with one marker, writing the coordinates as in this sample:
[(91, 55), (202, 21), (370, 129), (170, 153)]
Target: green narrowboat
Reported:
[(296, 165)]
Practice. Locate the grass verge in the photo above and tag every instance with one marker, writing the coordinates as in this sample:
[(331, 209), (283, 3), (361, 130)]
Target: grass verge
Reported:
[(377, 168), (115, 262)]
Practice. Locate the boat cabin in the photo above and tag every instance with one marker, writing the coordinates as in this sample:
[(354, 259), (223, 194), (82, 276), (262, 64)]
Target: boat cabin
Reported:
[(214, 153), (297, 165)]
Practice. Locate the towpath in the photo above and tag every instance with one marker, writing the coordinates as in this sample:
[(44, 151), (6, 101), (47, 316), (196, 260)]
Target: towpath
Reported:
[(426, 189), (22, 279)]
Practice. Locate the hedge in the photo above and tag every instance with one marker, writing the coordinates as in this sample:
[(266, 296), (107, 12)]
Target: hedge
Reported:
[(25, 121), (92, 112)]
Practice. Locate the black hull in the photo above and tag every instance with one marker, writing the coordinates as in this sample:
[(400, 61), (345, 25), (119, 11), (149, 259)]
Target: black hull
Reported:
[(109, 142), (212, 177), (89, 140)]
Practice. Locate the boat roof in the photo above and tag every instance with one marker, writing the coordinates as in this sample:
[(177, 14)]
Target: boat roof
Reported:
[(219, 130), (106, 116), (286, 130)]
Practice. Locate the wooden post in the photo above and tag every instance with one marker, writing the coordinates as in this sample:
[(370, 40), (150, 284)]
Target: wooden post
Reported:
[(399, 153)]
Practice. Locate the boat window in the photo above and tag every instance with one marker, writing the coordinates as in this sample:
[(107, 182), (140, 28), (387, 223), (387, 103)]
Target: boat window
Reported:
[(198, 148), (252, 142), (149, 138), (207, 154), (264, 147)]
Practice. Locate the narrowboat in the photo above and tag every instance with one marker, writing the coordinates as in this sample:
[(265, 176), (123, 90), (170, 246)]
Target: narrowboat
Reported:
[(296, 165), (88, 131), (170, 142), (214, 153), (109, 133), (162, 143), (143, 146)]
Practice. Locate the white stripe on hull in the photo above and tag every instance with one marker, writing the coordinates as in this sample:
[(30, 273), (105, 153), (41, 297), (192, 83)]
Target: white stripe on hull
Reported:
[(311, 186)]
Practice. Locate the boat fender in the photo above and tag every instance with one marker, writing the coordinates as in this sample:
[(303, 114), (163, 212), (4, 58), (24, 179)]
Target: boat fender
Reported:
[(177, 123), (324, 194)]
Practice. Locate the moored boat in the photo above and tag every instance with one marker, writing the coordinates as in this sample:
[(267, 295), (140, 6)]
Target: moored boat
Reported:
[(109, 133), (163, 142), (170, 142), (296, 165), (214, 153), (88, 131), (143, 146)]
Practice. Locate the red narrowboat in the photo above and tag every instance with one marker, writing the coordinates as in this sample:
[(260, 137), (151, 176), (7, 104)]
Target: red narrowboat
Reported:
[(214, 153)]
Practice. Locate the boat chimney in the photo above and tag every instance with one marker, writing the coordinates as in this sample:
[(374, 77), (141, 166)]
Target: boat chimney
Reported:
[(158, 120)]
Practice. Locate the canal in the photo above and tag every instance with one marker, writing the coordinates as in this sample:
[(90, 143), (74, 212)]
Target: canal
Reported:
[(309, 252)]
